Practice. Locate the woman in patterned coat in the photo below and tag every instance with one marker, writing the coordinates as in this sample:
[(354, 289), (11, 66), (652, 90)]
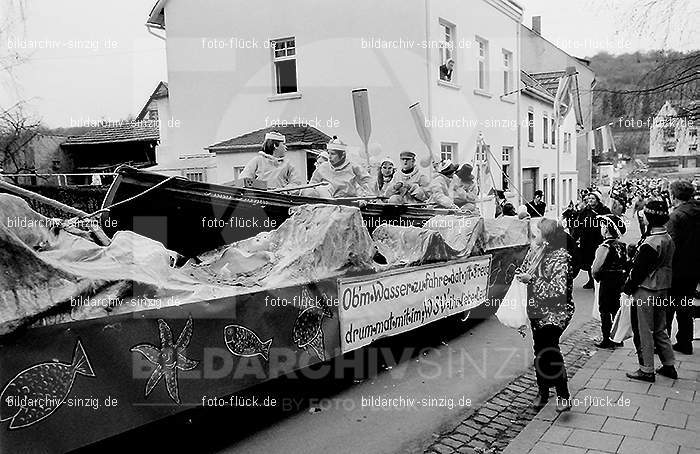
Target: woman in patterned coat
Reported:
[(550, 308)]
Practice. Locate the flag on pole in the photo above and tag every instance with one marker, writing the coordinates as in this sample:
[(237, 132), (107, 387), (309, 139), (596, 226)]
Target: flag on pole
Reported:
[(606, 138), (591, 143)]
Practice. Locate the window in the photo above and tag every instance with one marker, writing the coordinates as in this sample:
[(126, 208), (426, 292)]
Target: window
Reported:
[(482, 82), (481, 153), (552, 191), (152, 115), (194, 176), (237, 172), (448, 151), (531, 126), (571, 189), (692, 133), (669, 147), (693, 147), (544, 189), (545, 129), (505, 157), (447, 71), (554, 133), (507, 71), (567, 142), (285, 61), (669, 133)]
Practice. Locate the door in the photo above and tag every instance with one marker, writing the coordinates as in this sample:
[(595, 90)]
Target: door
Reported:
[(529, 183)]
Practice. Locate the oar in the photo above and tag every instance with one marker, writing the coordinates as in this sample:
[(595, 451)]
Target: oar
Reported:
[(350, 199), (423, 132), (295, 188), (102, 238), (363, 122)]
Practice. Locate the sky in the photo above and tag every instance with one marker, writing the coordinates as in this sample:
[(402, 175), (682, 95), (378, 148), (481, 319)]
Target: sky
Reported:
[(104, 64)]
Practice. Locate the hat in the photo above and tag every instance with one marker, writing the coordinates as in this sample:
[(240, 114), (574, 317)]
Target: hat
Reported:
[(407, 154), (657, 207), (337, 145), (597, 194), (389, 160), (539, 193), (465, 172), (274, 135), (446, 167), (616, 222)]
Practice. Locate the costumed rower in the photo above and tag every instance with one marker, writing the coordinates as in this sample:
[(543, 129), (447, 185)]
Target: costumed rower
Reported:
[(466, 190), (270, 166), (441, 188), (345, 178), (409, 185), (385, 174)]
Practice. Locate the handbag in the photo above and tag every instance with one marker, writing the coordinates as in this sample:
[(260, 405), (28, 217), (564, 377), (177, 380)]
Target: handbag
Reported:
[(622, 324), (512, 311)]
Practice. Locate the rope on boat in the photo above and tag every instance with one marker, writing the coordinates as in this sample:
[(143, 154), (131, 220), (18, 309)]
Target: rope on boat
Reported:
[(121, 202)]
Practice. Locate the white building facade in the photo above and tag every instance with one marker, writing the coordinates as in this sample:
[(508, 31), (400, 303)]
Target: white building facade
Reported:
[(233, 69), (543, 145)]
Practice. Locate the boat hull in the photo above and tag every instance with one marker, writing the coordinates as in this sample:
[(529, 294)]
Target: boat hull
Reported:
[(192, 217)]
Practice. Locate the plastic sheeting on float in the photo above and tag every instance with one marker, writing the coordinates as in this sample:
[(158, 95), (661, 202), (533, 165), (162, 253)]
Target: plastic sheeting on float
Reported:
[(316, 242)]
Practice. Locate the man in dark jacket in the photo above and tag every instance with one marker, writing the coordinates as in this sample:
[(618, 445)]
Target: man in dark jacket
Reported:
[(684, 228), (537, 206)]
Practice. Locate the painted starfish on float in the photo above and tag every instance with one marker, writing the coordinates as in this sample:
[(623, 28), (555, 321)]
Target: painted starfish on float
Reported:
[(168, 358)]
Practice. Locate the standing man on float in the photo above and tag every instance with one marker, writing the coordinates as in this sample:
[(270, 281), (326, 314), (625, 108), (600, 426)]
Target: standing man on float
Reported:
[(270, 166), (344, 178), (409, 184)]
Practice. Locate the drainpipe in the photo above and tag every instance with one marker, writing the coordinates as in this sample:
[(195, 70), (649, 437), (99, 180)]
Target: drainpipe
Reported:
[(428, 69), (518, 167)]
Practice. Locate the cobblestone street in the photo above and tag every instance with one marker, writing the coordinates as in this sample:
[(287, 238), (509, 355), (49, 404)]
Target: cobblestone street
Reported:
[(491, 427), (660, 418)]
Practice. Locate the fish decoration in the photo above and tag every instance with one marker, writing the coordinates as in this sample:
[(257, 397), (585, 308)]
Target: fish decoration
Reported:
[(308, 332), (242, 341), (45, 386), (168, 358)]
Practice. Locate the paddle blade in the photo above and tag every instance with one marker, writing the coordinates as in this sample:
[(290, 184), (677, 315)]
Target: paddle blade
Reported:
[(423, 131), (363, 122)]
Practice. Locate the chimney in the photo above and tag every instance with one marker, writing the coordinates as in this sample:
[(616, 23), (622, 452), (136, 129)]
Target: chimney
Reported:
[(537, 24)]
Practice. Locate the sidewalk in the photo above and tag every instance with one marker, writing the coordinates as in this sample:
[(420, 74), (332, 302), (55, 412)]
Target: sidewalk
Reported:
[(614, 414)]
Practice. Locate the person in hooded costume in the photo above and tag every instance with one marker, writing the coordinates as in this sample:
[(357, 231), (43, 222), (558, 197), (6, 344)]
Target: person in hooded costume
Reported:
[(587, 232), (270, 166), (344, 178), (409, 184), (441, 187)]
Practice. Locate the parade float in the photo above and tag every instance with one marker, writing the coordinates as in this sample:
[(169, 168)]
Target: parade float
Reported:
[(176, 291), (115, 336)]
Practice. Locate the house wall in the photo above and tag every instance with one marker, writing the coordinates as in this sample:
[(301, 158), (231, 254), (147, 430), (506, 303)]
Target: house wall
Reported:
[(543, 156), (539, 55), (217, 94), (682, 140)]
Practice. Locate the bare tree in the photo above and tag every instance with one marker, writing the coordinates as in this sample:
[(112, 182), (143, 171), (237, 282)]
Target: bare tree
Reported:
[(12, 20), (17, 130)]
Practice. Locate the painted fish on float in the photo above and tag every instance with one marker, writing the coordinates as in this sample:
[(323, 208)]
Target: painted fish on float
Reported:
[(243, 342), (308, 327), (46, 386)]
